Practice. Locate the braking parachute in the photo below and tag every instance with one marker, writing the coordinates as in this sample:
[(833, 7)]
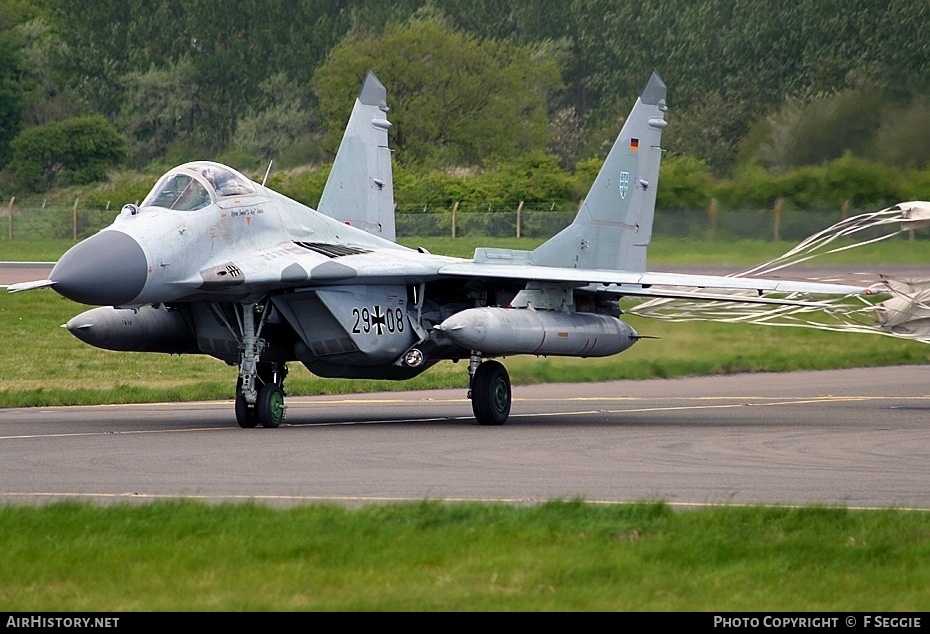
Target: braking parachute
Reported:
[(899, 307)]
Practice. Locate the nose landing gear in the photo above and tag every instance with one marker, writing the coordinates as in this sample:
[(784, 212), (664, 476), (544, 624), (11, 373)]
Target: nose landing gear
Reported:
[(269, 409), (260, 388)]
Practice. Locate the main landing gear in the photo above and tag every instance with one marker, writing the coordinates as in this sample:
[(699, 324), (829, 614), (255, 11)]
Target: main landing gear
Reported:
[(260, 388), (489, 391)]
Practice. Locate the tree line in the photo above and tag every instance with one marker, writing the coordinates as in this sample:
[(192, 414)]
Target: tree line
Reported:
[(89, 87)]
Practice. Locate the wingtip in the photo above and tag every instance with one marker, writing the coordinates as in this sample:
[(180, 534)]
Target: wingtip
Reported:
[(655, 90), (373, 92)]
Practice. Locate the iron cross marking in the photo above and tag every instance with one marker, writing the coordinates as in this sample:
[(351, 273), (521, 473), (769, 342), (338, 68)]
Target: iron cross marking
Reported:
[(377, 320)]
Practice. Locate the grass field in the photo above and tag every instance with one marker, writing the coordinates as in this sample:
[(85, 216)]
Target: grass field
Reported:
[(550, 557)]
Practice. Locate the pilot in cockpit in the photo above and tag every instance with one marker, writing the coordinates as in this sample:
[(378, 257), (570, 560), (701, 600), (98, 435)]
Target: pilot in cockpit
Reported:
[(211, 176), (225, 183)]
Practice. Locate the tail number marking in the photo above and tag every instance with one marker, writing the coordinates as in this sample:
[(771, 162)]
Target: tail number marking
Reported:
[(391, 320)]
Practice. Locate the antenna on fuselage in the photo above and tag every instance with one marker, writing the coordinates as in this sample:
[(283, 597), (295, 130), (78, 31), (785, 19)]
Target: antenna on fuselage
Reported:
[(267, 172)]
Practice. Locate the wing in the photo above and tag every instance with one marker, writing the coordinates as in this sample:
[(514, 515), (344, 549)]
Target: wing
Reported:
[(653, 284)]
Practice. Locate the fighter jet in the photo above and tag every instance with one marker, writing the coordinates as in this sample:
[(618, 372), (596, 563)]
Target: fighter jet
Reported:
[(213, 263)]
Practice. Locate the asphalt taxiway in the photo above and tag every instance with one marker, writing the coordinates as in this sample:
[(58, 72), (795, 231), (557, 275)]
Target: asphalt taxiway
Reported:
[(15, 272), (851, 438)]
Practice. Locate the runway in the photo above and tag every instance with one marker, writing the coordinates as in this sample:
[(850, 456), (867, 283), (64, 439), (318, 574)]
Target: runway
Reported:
[(15, 272), (853, 438)]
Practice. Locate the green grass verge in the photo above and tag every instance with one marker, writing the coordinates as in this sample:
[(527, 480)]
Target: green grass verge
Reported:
[(33, 250), (663, 251), (555, 556)]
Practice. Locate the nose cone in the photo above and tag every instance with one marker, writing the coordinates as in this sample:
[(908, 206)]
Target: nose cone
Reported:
[(108, 269)]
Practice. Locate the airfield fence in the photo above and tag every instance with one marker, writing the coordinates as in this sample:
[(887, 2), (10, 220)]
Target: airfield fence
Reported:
[(531, 221)]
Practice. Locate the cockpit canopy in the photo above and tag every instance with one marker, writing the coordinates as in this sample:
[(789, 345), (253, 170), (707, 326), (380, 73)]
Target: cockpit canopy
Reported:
[(196, 185)]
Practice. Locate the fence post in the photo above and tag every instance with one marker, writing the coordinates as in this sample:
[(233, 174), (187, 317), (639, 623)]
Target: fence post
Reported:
[(11, 217), (74, 218), (519, 209), (776, 212), (712, 211), (454, 209)]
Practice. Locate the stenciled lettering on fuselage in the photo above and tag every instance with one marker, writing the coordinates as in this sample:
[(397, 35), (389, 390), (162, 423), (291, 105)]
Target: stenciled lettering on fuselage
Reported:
[(248, 211), (377, 320)]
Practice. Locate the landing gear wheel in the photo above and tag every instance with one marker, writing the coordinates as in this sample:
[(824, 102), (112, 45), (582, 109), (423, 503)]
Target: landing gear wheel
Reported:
[(270, 405), (490, 394), (246, 416)]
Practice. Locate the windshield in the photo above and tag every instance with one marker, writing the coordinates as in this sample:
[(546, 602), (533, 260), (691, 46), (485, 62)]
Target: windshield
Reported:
[(178, 191)]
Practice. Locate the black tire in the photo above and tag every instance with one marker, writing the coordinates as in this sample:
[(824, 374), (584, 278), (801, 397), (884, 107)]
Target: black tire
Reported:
[(246, 416), (490, 394), (270, 405)]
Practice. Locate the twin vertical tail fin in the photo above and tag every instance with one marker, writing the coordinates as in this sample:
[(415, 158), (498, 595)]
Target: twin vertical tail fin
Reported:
[(360, 188), (614, 225), (612, 230)]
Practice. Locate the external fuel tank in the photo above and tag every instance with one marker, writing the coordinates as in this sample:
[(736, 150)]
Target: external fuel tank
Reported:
[(146, 329), (506, 331)]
